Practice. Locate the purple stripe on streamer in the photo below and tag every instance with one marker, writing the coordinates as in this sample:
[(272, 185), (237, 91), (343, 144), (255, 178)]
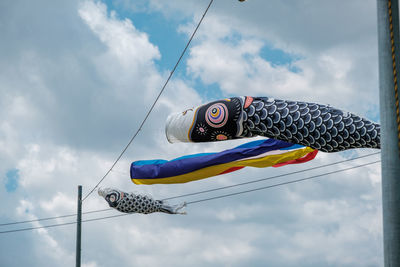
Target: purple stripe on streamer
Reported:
[(186, 165)]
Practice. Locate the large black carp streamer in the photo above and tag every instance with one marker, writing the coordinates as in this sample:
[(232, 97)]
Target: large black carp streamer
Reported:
[(134, 203), (321, 127)]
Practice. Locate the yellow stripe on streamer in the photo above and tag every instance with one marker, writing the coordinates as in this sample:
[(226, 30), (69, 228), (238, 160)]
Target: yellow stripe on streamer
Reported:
[(266, 161)]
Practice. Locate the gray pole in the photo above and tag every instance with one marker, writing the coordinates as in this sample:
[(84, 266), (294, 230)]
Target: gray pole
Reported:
[(78, 228), (388, 44)]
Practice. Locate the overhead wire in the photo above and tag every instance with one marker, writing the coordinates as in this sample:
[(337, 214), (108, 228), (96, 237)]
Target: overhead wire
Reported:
[(268, 178), (205, 199), (154, 103), (60, 224), (206, 191), (53, 218), (280, 184)]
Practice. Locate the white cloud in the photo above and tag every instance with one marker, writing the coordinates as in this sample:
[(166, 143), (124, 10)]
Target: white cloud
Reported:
[(240, 69), (129, 59), (337, 54), (48, 244), (59, 204)]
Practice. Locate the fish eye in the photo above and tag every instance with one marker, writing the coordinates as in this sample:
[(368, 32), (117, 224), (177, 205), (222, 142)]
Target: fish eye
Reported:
[(112, 197)]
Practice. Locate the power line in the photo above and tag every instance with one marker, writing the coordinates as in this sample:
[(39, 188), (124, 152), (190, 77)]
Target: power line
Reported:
[(280, 184), (61, 224), (154, 103), (202, 200), (205, 191), (269, 178), (52, 218)]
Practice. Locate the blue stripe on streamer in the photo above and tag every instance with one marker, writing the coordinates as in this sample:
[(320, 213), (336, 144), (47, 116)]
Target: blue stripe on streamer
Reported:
[(148, 169), (251, 144), (295, 146), (150, 162), (259, 142), (193, 156), (162, 161)]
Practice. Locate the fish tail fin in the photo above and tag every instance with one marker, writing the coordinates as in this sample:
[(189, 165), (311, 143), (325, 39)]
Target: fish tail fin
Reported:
[(173, 209)]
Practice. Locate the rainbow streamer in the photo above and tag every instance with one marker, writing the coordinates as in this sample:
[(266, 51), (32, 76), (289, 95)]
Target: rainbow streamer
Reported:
[(260, 154)]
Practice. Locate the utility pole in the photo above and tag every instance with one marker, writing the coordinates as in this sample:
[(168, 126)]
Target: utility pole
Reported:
[(388, 45), (79, 228)]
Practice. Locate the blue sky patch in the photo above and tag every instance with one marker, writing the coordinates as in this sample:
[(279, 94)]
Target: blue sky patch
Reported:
[(208, 92), (278, 57), (162, 32), (234, 38), (373, 114), (11, 181), (275, 56)]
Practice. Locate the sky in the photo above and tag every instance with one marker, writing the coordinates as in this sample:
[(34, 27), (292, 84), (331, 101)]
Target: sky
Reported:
[(78, 77)]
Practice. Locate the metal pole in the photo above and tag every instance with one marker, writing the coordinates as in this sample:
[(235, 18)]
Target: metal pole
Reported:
[(388, 44), (79, 228)]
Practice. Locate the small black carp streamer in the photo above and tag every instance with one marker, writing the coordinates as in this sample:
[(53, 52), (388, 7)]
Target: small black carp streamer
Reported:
[(318, 126), (135, 203)]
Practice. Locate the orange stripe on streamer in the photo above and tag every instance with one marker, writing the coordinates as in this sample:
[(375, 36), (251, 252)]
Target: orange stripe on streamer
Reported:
[(308, 157)]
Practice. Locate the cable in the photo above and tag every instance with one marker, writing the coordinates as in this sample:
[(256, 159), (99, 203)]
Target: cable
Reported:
[(61, 224), (201, 200), (268, 178), (280, 184), (33, 228), (152, 106), (206, 191), (52, 218)]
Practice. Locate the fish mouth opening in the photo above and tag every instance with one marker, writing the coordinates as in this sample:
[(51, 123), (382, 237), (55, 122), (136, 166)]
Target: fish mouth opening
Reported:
[(102, 192), (178, 125)]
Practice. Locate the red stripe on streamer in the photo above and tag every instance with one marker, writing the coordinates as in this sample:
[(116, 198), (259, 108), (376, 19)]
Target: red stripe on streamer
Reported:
[(232, 169), (308, 157)]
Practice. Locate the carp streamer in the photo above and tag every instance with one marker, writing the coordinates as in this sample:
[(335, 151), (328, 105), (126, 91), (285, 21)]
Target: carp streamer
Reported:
[(136, 203), (318, 126)]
